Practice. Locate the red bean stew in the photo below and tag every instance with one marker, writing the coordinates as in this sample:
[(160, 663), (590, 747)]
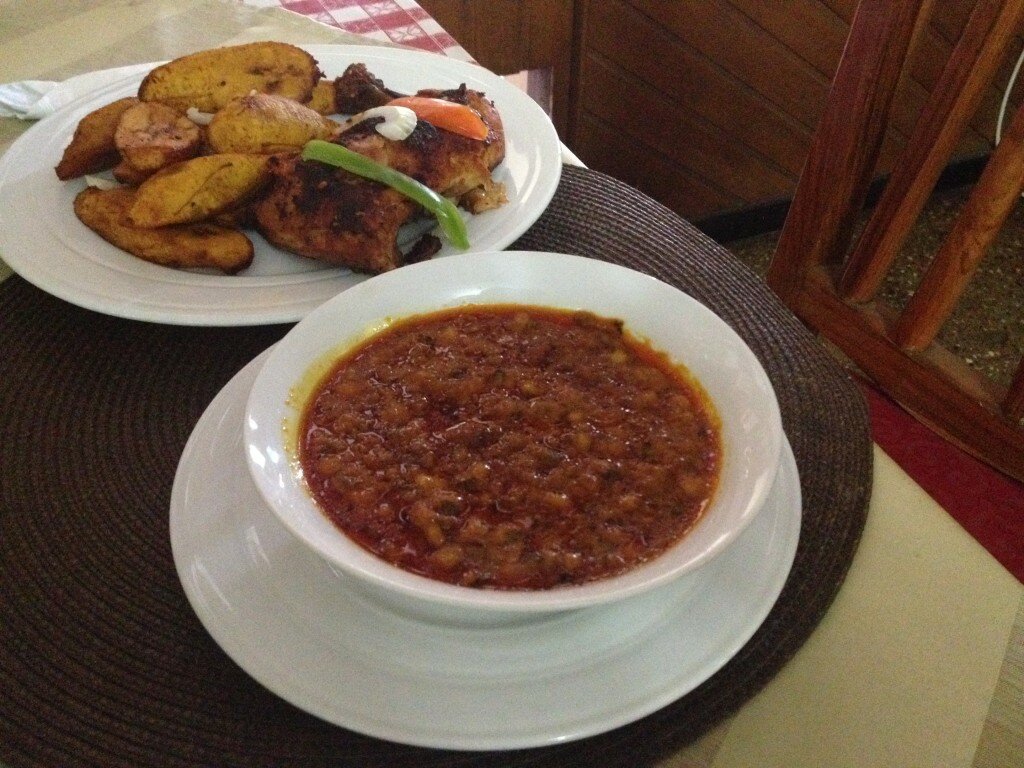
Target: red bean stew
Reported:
[(510, 447)]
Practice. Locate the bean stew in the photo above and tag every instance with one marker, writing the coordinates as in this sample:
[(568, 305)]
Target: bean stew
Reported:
[(510, 447)]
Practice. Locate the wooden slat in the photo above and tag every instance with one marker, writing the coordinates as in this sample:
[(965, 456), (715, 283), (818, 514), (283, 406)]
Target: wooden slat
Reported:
[(675, 132), (1013, 403), (744, 50), (689, 79), (650, 172), (806, 27), (925, 69), (955, 97), (834, 183), (509, 36), (946, 22), (758, 70), (844, 9), (946, 395), (950, 19), (990, 202), (940, 389), (817, 35)]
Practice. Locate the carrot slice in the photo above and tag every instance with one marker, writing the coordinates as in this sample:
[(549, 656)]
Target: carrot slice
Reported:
[(457, 118)]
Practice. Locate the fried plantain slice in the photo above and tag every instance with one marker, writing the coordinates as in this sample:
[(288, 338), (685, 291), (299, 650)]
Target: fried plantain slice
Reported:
[(92, 148), (266, 124), (197, 189), (105, 212), (126, 173), (209, 79), (324, 99)]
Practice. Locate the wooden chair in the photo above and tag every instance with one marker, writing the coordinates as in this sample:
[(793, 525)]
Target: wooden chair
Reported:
[(831, 280)]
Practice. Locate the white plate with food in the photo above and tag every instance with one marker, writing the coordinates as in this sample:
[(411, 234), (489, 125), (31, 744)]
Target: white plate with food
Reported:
[(309, 634), (45, 243)]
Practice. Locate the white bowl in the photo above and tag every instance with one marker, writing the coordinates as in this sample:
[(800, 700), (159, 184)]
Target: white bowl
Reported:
[(673, 322)]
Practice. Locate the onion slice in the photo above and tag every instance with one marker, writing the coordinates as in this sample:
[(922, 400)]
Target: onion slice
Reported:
[(99, 182), (197, 117), (398, 122)]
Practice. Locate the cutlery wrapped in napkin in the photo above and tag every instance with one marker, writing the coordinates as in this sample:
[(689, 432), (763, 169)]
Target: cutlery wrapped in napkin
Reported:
[(36, 99)]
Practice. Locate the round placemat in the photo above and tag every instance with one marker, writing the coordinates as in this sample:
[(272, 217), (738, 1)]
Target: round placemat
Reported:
[(103, 663)]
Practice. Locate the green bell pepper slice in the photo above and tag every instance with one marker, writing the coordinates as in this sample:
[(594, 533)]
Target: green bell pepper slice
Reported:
[(444, 210)]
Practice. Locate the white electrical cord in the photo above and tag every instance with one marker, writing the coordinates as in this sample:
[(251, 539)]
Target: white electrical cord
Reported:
[(1006, 97)]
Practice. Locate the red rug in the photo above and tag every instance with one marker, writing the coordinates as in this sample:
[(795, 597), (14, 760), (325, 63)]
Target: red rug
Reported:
[(988, 504)]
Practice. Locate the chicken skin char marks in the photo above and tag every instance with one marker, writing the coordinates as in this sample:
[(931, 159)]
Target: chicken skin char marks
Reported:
[(357, 89), (331, 215)]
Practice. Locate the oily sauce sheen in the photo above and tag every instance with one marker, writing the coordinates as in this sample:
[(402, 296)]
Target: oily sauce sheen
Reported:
[(510, 447)]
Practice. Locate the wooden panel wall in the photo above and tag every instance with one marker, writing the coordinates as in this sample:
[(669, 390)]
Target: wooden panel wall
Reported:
[(709, 105), (510, 36), (706, 105)]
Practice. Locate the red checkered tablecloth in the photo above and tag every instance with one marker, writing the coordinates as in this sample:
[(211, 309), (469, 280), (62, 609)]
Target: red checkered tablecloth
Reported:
[(397, 21)]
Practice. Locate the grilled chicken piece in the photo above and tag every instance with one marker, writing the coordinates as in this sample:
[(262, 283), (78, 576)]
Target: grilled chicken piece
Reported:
[(357, 90), (329, 214), (446, 162)]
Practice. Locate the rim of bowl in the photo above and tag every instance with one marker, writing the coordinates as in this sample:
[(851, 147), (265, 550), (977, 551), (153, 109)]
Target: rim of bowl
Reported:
[(479, 278)]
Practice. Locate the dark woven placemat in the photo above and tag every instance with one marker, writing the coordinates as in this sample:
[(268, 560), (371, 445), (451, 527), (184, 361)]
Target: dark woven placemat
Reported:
[(102, 661)]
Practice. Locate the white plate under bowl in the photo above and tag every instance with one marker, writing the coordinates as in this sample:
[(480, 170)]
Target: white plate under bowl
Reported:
[(43, 241), (675, 323), (299, 628)]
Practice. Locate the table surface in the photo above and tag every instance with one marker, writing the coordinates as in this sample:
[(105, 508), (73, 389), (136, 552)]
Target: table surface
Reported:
[(920, 659)]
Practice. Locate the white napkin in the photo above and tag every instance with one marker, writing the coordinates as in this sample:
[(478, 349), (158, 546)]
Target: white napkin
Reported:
[(24, 99), (35, 99)]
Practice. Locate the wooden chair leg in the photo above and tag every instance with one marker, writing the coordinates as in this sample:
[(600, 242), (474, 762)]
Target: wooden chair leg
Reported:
[(844, 150), (955, 98), (990, 202)]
